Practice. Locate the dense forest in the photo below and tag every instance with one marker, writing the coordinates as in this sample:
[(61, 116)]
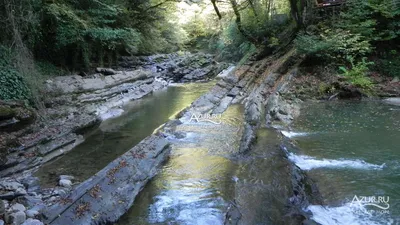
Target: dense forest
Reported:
[(44, 38)]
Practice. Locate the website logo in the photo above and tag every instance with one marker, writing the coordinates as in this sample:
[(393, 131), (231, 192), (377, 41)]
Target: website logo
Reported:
[(212, 118), (377, 203)]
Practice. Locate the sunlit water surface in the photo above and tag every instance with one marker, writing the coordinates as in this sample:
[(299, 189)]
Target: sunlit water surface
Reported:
[(116, 136)]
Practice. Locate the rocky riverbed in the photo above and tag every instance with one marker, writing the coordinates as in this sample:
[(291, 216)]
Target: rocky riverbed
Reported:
[(72, 105), (267, 88)]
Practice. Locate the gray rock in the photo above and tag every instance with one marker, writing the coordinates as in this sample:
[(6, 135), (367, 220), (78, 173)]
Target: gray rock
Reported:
[(31, 213), (20, 191), (106, 71), (6, 204), (233, 215), (65, 183), (253, 111), (61, 191), (16, 218), (17, 207), (9, 196), (67, 177), (114, 188), (30, 200), (31, 221), (32, 184), (11, 186), (2, 207), (224, 104)]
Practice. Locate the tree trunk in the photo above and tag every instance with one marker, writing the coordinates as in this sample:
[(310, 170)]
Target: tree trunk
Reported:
[(253, 8), (295, 13), (216, 9)]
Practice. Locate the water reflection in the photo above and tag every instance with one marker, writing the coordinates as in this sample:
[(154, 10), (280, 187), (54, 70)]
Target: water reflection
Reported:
[(196, 184), (115, 136)]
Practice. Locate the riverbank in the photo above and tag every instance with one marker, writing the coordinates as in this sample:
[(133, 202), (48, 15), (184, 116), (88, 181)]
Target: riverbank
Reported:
[(74, 105)]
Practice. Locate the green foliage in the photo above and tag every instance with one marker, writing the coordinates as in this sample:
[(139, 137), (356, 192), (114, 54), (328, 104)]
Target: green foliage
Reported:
[(12, 85), (356, 75), (334, 44), (113, 39), (375, 20), (69, 27), (389, 64), (247, 51), (230, 44), (81, 34), (49, 70)]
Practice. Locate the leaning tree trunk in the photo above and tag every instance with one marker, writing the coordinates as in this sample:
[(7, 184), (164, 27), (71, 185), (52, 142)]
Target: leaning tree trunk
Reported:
[(216, 9)]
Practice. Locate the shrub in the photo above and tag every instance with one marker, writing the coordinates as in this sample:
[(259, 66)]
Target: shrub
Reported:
[(334, 44), (356, 75), (12, 85)]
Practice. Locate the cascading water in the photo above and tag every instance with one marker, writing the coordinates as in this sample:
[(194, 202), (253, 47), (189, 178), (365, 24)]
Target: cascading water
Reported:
[(352, 151)]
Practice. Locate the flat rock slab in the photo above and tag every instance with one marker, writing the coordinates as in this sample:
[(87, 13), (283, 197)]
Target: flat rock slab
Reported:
[(111, 192), (78, 84)]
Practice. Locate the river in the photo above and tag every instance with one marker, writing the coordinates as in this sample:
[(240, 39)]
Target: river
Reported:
[(351, 149), (117, 135)]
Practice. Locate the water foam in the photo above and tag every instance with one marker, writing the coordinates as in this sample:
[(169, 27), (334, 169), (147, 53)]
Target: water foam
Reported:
[(307, 163), (291, 134), (112, 113), (346, 214)]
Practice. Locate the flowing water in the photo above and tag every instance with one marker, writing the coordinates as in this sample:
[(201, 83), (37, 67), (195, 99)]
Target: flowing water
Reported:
[(115, 136), (351, 149), (202, 178), (194, 186)]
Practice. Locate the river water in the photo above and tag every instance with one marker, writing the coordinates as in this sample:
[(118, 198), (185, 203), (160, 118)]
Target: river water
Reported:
[(351, 149), (348, 148), (117, 135), (205, 175)]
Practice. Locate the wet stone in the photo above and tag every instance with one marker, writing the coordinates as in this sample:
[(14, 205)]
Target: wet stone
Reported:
[(31, 221), (16, 218)]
